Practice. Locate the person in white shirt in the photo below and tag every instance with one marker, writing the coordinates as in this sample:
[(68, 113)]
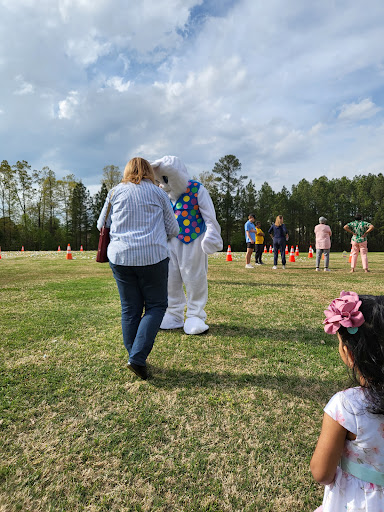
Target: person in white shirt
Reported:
[(141, 222)]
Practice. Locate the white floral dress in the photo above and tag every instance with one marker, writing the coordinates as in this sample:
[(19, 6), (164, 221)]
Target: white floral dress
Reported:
[(347, 493)]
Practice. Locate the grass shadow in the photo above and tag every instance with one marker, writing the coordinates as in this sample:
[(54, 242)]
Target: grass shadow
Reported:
[(302, 387), (250, 284), (275, 334)]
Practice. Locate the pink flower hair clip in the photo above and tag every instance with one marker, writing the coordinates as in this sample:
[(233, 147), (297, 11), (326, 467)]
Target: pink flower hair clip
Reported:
[(344, 311)]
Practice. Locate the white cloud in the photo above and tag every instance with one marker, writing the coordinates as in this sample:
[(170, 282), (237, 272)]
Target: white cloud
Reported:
[(316, 128), (67, 107), (71, 7), (117, 82), (265, 82), (357, 111), (23, 86), (87, 50), (125, 62)]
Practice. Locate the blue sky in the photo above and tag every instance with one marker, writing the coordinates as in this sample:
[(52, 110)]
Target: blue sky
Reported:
[(293, 89)]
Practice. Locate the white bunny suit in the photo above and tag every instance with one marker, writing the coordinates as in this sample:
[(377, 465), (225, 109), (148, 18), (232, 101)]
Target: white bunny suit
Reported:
[(199, 236)]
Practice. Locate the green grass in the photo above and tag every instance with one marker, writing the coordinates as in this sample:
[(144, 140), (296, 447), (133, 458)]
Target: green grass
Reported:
[(227, 423)]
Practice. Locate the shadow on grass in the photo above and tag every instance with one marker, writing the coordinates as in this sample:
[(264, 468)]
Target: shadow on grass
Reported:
[(302, 387), (289, 334), (258, 285)]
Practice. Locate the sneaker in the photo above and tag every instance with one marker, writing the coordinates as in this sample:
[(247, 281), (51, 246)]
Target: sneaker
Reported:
[(258, 263), (248, 265), (261, 263), (326, 270), (283, 267), (274, 267), (317, 269)]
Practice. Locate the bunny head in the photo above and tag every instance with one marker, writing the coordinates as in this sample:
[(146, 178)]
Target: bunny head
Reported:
[(172, 176)]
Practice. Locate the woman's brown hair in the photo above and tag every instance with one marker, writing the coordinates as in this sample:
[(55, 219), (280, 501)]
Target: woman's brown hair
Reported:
[(138, 169)]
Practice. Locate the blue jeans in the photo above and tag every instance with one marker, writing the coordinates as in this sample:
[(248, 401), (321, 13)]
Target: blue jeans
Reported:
[(141, 288), (279, 243)]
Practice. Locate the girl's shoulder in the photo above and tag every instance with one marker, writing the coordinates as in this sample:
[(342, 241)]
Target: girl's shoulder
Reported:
[(351, 395), (351, 399), (349, 402), (345, 406)]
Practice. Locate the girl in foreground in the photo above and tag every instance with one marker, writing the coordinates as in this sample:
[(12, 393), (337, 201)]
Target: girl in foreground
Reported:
[(349, 456)]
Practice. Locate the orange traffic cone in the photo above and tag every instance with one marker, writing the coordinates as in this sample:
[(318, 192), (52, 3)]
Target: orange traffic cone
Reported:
[(323, 257), (69, 253), (310, 252), (286, 249), (350, 257), (22, 248), (270, 249), (229, 255), (292, 255), (58, 249), (265, 249), (0, 253), (297, 251), (81, 248)]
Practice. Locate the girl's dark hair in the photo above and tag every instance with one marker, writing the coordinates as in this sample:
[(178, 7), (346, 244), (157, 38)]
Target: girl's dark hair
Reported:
[(367, 349), (358, 216)]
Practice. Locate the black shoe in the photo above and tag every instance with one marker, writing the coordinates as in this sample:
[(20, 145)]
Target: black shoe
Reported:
[(140, 371)]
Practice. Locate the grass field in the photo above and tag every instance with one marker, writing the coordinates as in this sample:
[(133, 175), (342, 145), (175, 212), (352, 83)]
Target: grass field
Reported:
[(227, 423)]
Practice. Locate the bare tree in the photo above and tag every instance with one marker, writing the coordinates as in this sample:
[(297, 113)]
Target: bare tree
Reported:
[(111, 176)]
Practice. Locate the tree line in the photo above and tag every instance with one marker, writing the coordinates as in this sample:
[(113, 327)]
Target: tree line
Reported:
[(41, 212)]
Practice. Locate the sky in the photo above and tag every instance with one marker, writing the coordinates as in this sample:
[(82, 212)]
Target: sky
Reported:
[(294, 89)]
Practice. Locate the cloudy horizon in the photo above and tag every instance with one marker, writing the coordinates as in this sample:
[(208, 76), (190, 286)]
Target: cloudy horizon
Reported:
[(293, 90)]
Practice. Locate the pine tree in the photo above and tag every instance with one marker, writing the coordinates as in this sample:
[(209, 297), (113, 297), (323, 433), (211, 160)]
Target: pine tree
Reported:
[(228, 184)]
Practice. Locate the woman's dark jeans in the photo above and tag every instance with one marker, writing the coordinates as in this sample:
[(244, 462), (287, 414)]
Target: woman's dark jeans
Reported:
[(141, 288), (279, 243)]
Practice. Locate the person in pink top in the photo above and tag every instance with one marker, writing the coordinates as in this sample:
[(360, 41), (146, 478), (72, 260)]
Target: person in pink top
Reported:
[(323, 243)]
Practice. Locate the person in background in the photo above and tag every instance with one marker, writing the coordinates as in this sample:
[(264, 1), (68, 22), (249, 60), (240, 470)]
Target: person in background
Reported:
[(279, 235), (359, 229), (250, 231), (141, 221), (349, 456), (323, 243), (259, 243)]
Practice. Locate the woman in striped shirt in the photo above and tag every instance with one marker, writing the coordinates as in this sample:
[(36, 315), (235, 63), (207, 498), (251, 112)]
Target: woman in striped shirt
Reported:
[(141, 222)]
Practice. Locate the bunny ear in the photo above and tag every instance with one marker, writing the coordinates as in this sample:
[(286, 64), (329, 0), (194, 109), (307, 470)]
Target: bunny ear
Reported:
[(155, 164)]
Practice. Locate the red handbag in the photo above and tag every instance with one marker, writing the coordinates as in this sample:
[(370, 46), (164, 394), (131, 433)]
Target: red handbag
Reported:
[(101, 256)]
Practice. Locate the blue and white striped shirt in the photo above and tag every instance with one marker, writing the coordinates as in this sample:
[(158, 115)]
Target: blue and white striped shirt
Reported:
[(141, 221)]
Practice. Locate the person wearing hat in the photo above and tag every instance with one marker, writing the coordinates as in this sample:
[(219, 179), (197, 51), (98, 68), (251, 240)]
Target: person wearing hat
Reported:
[(323, 243)]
